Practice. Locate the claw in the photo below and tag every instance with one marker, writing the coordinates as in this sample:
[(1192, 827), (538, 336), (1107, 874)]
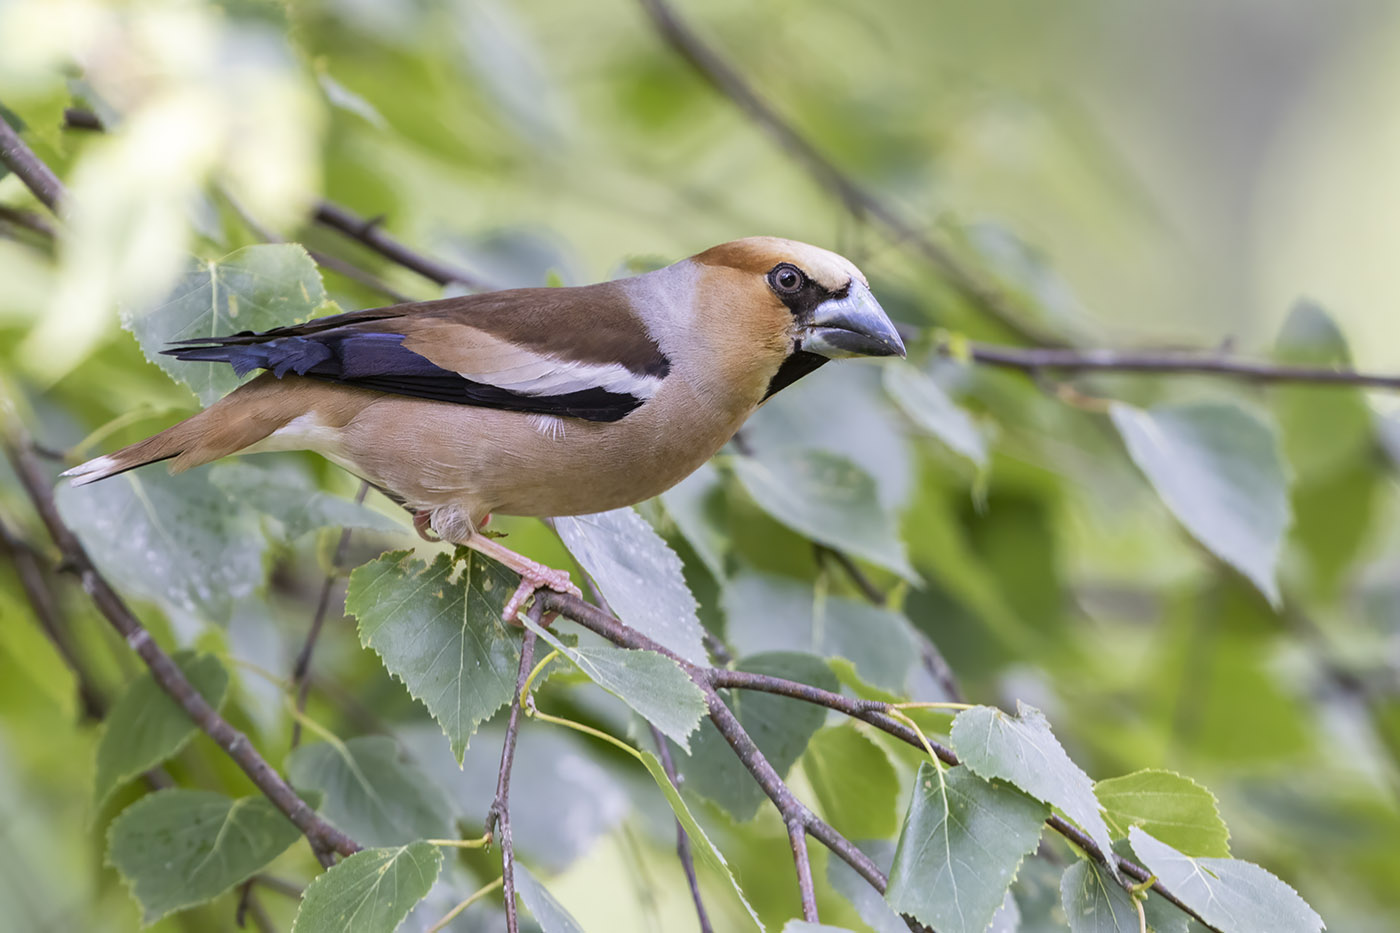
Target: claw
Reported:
[(536, 578), (423, 524)]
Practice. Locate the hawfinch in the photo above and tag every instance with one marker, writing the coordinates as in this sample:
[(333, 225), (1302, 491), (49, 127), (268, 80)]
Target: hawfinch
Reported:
[(533, 401)]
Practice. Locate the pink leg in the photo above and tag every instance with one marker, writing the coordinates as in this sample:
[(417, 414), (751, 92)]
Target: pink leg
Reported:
[(423, 524), (533, 575)]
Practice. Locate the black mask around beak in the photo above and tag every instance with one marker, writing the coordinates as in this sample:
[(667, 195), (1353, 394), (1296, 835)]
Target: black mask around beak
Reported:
[(852, 325)]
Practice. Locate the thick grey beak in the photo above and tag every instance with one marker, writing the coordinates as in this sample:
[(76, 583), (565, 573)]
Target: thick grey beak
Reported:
[(855, 325)]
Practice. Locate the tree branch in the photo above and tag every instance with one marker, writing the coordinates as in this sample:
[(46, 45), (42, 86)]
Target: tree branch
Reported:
[(369, 232), (324, 838), (30, 169), (498, 817), (857, 199), (683, 852)]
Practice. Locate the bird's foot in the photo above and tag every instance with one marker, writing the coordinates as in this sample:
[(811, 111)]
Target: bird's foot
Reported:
[(534, 577), (423, 524)]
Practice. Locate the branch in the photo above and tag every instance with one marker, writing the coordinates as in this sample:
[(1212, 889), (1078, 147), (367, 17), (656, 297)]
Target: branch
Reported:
[(27, 220), (498, 817), (1034, 360), (858, 200), (324, 838), (301, 670), (870, 711), (668, 764), (30, 169), (369, 232)]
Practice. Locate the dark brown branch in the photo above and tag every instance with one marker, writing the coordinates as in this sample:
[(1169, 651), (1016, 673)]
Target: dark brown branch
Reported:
[(683, 852), (857, 199), (708, 679), (1036, 360), (498, 817), (301, 670), (370, 233), (324, 838), (50, 619), (30, 169), (27, 220)]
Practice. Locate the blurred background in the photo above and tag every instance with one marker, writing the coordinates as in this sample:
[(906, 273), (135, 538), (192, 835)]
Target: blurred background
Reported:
[(1144, 175)]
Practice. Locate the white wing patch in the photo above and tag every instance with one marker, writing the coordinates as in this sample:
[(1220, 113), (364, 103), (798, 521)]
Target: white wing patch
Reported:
[(546, 376)]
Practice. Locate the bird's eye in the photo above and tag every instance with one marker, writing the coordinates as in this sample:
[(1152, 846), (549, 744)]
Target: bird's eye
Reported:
[(786, 279)]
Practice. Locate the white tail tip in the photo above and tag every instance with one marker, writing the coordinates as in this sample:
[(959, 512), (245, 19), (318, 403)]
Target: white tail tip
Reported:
[(90, 472)]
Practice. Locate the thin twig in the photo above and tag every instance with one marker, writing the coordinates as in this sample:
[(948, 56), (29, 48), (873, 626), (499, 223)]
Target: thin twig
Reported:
[(50, 619), (857, 199), (28, 220), (324, 838), (29, 168), (370, 233), (498, 817), (1033, 360), (301, 681), (683, 852)]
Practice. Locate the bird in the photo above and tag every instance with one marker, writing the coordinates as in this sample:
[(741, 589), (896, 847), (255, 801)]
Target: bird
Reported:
[(532, 401)]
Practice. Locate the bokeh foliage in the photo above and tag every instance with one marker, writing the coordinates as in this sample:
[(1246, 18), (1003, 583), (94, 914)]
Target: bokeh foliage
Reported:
[(1199, 580)]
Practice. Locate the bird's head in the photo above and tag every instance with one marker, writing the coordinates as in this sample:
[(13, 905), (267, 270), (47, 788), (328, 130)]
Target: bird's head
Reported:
[(801, 303)]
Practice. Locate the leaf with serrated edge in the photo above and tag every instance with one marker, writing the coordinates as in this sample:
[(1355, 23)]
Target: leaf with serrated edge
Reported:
[(1022, 750), (440, 633), (704, 849), (640, 576), (548, 912), (145, 726), (1219, 471), (256, 288), (1236, 896), (830, 500), (370, 792), (372, 891), (177, 848), (652, 684), (1094, 902), (1170, 806), (962, 842)]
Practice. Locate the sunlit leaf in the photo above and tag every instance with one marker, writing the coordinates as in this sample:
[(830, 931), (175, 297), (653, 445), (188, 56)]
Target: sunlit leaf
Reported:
[(780, 726), (828, 499), (178, 847), (652, 684), (145, 726), (372, 891), (175, 540), (1218, 470), (962, 841), (1236, 896), (1173, 808), (928, 406), (1022, 750), (640, 577), (256, 288), (438, 629), (370, 792)]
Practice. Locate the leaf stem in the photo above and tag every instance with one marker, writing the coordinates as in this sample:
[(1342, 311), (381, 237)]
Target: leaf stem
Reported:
[(470, 900)]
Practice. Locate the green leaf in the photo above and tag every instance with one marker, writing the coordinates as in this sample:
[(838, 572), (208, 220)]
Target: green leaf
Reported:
[(177, 848), (1235, 896), (256, 288), (1173, 808), (962, 842), (928, 406), (145, 726), (548, 913), (828, 499), (1023, 751), (370, 792), (803, 926), (1218, 470), (705, 850), (1094, 902), (696, 505), (652, 684), (174, 540), (780, 726), (855, 784), (1310, 337), (869, 903), (289, 497), (372, 891), (768, 613), (640, 577), (438, 629)]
